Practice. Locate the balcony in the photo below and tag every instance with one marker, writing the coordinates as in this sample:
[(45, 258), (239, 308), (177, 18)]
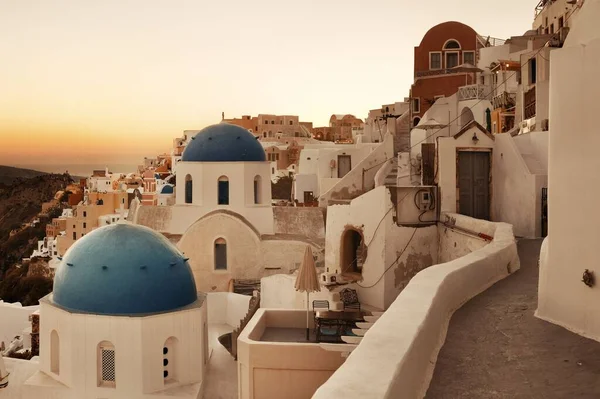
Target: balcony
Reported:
[(504, 100), (435, 72), (472, 92)]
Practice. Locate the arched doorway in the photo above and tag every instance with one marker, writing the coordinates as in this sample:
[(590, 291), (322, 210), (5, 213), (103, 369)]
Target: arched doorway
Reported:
[(353, 252), (466, 116)]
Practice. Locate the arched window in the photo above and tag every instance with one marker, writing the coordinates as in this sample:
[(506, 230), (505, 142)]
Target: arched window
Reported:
[(257, 189), (107, 375), (189, 186), (452, 53), (452, 45), (170, 360), (54, 353), (220, 254), (416, 121), (223, 190)]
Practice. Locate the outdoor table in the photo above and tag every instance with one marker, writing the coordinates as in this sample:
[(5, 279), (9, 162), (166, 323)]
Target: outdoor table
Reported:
[(338, 319)]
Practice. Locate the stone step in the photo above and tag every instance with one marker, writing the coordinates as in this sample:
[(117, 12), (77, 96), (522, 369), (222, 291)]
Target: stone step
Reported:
[(371, 319), (363, 325), (351, 340), (359, 332), (338, 347)]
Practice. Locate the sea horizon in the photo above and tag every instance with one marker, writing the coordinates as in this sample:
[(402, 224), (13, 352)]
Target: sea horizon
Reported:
[(82, 170)]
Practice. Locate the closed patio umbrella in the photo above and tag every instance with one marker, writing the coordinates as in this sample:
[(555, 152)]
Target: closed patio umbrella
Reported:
[(307, 281), (3, 373)]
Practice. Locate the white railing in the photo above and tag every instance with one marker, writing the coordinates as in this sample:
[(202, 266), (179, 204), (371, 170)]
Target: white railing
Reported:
[(471, 92)]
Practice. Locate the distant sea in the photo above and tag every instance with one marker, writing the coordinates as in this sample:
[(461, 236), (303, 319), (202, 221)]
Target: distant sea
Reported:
[(82, 170)]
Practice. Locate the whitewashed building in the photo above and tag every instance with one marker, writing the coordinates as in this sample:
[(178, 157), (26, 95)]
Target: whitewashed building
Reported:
[(124, 321)]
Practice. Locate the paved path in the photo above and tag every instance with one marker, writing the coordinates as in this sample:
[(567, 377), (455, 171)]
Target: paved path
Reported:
[(496, 348), (221, 378)]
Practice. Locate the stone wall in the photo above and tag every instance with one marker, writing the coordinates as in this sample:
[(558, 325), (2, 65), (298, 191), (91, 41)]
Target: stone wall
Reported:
[(307, 222)]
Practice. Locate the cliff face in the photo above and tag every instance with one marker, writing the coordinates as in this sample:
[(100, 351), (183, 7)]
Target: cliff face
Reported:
[(21, 203)]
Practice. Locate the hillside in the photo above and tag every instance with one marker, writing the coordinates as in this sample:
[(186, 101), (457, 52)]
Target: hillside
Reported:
[(9, 174), (20, 203)]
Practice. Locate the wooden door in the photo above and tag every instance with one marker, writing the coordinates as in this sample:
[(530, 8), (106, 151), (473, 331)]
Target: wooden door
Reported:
[(344, 165), (428, 159), (474, 184)]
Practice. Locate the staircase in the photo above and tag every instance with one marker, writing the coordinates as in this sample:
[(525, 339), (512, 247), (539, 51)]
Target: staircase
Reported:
[(352, 341), (391, 180)]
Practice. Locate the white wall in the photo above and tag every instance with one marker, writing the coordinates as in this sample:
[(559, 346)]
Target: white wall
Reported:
[(287, 370), (278, 292), (536, 144), (14, 318), (227, 308), (573, 167), (205, 192), (517, 191), (315, 171), (362, 176), (249, 254), (372, 214), (138, 343), (396, 357)]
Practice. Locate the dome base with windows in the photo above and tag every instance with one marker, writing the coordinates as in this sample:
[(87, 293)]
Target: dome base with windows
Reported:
[(103, 335)]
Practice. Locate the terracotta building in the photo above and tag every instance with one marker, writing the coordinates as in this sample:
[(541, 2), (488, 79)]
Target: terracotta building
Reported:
[(273, 127), (444, 61), (86, 216), (341, 128)]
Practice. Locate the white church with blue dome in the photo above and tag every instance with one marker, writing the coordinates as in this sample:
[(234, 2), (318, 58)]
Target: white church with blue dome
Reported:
[(124, 321), (223, 219), (225, 167)]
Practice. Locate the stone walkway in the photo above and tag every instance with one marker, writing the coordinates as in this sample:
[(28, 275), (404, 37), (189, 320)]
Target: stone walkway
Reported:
[(496, 348), (221, 378)]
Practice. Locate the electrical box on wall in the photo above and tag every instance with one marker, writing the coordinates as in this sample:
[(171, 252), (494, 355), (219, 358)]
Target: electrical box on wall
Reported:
[(424, 200)]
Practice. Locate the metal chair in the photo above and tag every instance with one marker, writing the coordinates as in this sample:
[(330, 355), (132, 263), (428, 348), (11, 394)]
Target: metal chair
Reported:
[(350, 299), (320, 304)]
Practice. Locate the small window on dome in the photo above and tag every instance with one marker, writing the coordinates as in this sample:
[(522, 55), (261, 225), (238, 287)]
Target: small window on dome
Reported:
[(223, 190)]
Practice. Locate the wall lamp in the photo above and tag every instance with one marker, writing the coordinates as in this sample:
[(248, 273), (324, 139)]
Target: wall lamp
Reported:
[(475, 138)]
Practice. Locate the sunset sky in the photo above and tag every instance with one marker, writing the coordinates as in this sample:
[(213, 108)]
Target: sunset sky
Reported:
[(85, 81)]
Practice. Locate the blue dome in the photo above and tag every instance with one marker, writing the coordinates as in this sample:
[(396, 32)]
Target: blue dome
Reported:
[(224, 143), (123, 269), (167, 189)]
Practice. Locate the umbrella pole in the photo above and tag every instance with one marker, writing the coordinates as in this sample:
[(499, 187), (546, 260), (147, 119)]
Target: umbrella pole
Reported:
[(307, 329)]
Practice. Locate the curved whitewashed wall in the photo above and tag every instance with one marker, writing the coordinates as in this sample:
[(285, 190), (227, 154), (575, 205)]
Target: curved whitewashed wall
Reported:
[(396, 357)]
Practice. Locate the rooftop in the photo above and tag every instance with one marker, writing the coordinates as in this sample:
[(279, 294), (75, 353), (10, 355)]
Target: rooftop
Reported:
[(496, 347)]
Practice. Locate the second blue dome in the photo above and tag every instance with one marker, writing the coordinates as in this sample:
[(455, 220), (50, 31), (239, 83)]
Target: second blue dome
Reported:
[(224, 142)]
